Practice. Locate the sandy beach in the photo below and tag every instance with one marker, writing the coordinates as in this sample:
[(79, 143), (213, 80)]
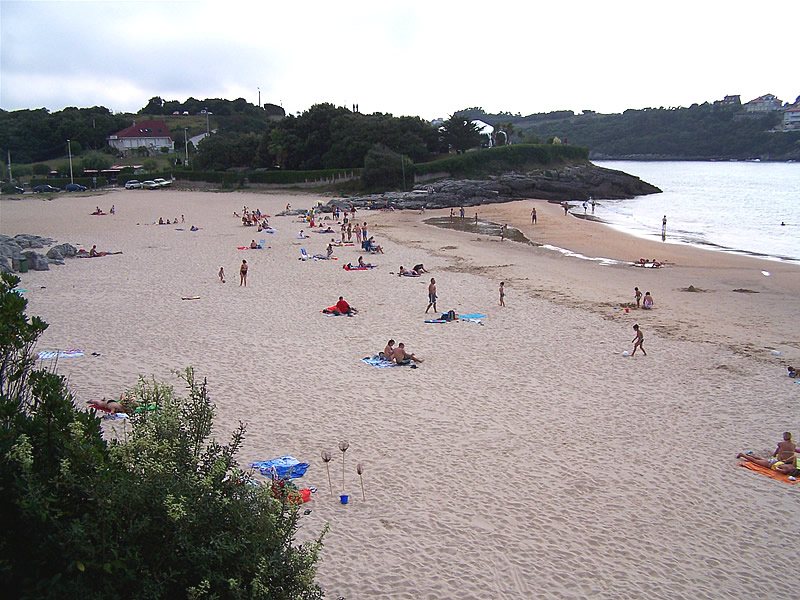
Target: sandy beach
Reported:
[(526, 457)]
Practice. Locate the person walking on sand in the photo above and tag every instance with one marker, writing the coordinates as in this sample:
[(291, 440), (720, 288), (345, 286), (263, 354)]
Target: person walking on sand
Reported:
[(638, 341), (432, 296), (221, 275), (461, 212), (502, 294), (503, 232), (664, 227), (357, 230), (533, 216), (243, 274), (565, 206), (638, 295)]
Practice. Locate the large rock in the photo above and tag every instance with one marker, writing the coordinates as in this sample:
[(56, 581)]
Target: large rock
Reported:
[(56, 254), (567, 184), (36, 261), (27, 240)]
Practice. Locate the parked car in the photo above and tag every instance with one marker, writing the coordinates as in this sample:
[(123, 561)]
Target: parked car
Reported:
[(45, 188), (75, 187), (162, 182), (133, 184), (150, 185), (10, 188)]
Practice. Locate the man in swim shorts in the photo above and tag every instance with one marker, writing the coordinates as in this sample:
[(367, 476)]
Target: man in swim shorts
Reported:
[(432, 295), (401, 357)]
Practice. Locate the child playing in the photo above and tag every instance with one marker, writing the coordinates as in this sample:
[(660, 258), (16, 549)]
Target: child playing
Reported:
[(502, 294), (221, 275), (638, 341), (638, 296)]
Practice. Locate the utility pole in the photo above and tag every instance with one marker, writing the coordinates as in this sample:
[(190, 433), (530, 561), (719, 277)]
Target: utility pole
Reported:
[(208, 131), (10, 178), (259, 97), (69, 150), (186, 144)]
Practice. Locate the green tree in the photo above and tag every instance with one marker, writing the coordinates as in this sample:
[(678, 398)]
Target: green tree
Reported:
[(40, 169), (461, 134), (96, 161), (166, 513), (385, 169)]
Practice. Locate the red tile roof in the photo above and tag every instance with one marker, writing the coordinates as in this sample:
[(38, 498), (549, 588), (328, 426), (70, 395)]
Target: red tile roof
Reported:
[(145, 129)]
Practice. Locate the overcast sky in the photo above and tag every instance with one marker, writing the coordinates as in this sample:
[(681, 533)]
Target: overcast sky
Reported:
[(405, 58)]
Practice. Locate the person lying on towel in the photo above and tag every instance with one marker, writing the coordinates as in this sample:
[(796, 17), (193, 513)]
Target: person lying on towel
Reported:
[(784, 459)]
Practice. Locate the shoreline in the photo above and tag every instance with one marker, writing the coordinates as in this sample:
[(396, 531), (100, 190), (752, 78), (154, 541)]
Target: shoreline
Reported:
[(473, 452)]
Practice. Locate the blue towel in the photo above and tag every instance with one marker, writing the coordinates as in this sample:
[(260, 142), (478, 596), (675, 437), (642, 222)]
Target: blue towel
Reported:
[(281, 468), (471, 316), (381, 363)]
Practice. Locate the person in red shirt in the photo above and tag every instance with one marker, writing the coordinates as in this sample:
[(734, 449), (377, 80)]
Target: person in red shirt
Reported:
[(344, 308)]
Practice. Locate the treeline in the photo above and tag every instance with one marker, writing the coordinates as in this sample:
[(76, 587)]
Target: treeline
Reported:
[(38, 135), (702, 131), (323, 137)]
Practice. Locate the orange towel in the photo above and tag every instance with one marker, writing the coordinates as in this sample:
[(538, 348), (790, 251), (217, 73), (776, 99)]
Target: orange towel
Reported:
[(768, 472)]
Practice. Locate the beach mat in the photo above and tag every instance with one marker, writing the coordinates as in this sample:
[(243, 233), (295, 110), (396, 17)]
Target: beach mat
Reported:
[(381, 363), (472, 316), (436, 321), (51, 354), (767, 471)]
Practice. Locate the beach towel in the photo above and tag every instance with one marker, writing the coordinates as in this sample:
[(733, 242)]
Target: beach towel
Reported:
[(767, 471), (259, 247), (462, 317), (281, 468), (357, 268), (190, 297), (381, 363), (51, 354), (436, 321)]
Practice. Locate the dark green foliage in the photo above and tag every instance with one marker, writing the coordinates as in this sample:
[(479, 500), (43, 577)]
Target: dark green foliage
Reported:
[(494, 161), (386, 170), (290, 177), (40, 169), (697, 132), (61, 182), (461, 134), (166, 513), (96, 161)]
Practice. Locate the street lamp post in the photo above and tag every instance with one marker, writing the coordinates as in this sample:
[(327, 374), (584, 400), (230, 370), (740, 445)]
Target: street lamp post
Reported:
[(69, 151), (208, 132), (186, 145), (259, 97)]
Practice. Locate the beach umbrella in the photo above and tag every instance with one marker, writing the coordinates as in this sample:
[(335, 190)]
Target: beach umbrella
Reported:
[(326, 458), (343, 446), (360, 471)]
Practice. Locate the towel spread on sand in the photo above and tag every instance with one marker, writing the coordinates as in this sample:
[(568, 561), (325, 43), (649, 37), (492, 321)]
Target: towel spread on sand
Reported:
[(50, 354), (381, 363), (280, 468), (466, 317), (767, 471)]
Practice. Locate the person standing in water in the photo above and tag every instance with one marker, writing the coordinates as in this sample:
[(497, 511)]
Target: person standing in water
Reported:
[(664, 228)]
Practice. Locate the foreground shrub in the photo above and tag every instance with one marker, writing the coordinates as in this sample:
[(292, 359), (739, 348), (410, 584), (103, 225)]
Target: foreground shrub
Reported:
[(165, 513)]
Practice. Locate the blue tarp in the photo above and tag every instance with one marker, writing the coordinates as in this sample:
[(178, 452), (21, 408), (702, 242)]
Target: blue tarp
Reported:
[(281, 468)]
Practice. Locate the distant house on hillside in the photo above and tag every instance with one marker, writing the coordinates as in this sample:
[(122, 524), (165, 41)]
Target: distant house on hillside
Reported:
[(791, 118), (765, 103), (152, 135), (731, 99)]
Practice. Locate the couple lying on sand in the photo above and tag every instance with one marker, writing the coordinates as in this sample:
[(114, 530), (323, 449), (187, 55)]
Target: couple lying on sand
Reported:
[(398, 355)]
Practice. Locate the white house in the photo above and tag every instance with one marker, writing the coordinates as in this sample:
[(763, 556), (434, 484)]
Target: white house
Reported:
[(152, 135), (791, 118), (765, 103)]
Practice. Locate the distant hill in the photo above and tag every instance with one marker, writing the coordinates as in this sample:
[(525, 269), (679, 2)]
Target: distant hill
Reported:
[(700, 132)]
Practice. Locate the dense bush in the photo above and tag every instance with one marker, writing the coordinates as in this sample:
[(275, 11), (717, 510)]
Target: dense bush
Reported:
[(493, 161), (165, 513)]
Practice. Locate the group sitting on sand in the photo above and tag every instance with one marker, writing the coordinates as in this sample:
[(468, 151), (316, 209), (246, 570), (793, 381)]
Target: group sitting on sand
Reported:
[(653, 264), (407, 273), (784, 459), (398, 355)]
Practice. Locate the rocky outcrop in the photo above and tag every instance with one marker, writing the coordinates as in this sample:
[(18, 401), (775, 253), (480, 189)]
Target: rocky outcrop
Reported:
[(567, 184), (13, 250)]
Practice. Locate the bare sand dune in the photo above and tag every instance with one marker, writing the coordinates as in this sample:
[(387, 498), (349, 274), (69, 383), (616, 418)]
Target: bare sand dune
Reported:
[(526, 457)]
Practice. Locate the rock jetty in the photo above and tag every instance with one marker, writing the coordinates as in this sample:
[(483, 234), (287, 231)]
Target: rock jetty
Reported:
[(567, 184)]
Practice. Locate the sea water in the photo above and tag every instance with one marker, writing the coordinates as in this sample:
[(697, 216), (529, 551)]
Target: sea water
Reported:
[(727, 206)]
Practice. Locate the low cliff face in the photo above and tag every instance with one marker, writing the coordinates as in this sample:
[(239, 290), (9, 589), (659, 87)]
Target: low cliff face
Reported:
[(572, 183)]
